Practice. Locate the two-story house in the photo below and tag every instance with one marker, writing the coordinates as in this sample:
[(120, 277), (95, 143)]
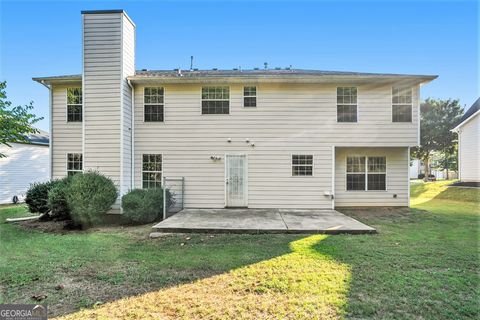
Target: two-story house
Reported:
[(268, 138)]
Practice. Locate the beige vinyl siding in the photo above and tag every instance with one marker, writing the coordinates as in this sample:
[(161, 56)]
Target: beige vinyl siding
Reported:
[(66, 136), (289, 119), (397, 178), (101, 93), (469, 150)]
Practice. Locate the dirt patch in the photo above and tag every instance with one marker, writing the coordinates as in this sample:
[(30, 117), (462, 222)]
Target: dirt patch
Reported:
[(466, 184), (52, 226), (375, 212)]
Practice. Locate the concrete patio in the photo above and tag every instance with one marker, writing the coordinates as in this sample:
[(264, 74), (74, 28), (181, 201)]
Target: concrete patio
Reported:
[(262, 221)]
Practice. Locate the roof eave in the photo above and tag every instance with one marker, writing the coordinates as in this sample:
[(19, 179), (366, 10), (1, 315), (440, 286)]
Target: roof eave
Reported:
[(58, 80), (461, 124), (282, 79)]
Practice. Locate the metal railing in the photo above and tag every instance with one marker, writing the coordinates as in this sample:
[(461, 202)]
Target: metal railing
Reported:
[(173, 195)]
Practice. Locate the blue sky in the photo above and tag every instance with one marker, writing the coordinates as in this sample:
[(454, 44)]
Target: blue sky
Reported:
[(40, 38)]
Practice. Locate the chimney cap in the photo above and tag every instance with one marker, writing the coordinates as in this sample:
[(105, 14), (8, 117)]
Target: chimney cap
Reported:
[(103, 11)]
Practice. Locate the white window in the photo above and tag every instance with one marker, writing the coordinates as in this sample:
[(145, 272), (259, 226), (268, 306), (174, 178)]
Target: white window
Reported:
[(347, 104), (366, 173), (402, 104), (74, 163), (215, 100), (302, 165), (74, 104), (249, 96), (153, 104), (152, 171)]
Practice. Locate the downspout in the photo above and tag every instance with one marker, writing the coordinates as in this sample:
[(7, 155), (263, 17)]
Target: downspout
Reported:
[(50, 139), (132, 140)]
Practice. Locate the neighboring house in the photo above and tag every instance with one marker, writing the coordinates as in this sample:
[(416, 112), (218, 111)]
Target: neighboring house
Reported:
[(271, 138), (417, 168), (468, 131), (25, 163)]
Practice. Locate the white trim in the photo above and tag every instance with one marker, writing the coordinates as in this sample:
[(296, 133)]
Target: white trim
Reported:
[(244, 96), (351, 104), (332, 196), (245, 178), (83, 91), (229, 100), (66, 163), (122, 128), (67, 104), (366, 172), (132, 137), (50, 124), (302, 154), (408, 176), (411, 105), (143, 105), (457, 128), (418, 115), (161, 172)]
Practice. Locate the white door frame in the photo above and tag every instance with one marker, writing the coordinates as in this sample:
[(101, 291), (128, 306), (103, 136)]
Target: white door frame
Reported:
[(245, 178)]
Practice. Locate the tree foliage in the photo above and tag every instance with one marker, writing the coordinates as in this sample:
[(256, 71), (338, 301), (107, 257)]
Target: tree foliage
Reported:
[(15, 122), (437, 119)]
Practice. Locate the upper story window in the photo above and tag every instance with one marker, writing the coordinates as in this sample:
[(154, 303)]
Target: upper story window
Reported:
[(152, 171), (249, 96), (347, 104), (153, 104), (74, 104), (215, 100), (74, 163), (366, 173), (302, 165), (402, 104)]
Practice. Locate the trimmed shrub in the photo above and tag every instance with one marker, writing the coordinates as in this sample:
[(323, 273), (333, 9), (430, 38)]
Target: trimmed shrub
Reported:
[(37, 196), (89, 196), (144, 205), (57, 200)]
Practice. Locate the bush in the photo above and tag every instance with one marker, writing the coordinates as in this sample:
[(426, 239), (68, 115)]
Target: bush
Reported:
[(37, 196), (89, 196), (144, 205), (57, 200)]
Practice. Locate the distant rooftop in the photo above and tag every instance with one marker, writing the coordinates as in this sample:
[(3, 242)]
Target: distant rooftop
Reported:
[(471, 111)]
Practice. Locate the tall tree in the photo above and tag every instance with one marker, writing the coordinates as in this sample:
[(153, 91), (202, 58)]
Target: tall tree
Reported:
[(437, 118), (16, 123)]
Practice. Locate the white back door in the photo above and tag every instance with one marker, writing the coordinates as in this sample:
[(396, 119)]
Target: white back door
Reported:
[(236, 176)]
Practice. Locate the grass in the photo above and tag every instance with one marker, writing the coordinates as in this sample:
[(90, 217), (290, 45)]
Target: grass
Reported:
[(423, 264)]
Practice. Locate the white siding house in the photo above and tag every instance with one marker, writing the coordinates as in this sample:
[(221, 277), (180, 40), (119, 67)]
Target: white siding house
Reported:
[(25, 163), (469, 144), (265, 138)]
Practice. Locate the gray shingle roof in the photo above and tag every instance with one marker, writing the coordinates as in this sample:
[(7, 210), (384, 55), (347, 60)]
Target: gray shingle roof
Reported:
[(474, 108), (41, 138)]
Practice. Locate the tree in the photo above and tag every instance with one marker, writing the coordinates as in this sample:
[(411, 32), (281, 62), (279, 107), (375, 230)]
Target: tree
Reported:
[(15, 123), (437, 118)]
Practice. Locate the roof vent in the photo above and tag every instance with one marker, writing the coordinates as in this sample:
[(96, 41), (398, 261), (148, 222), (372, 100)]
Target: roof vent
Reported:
[(235, 69), (255, 68), (215, 69), (144, 69), (195, 69)]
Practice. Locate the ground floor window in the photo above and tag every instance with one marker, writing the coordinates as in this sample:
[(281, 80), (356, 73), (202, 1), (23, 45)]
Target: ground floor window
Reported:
[(302, 165), (152, 171), (366, 173), (74, 163)]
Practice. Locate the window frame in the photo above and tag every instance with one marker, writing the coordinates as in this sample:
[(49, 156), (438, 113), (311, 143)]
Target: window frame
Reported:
[(152, 171), (255, 96), (215, 114), (336, 105), (143, 103), (401, 104), (67, 161), (366, 172), (73, 104), (292, 165)]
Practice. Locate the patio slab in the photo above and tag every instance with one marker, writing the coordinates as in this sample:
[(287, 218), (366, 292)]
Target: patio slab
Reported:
[(262, 221)]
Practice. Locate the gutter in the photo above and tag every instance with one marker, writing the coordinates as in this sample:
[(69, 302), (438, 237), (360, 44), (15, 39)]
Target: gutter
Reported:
[(132, 140)]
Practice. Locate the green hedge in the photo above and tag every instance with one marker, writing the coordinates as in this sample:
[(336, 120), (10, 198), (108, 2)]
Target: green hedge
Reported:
[(89, 196), (57, 200), (145, 205), (37, 196)]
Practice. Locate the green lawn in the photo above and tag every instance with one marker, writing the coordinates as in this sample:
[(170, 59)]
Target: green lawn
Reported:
[(423, 264)]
